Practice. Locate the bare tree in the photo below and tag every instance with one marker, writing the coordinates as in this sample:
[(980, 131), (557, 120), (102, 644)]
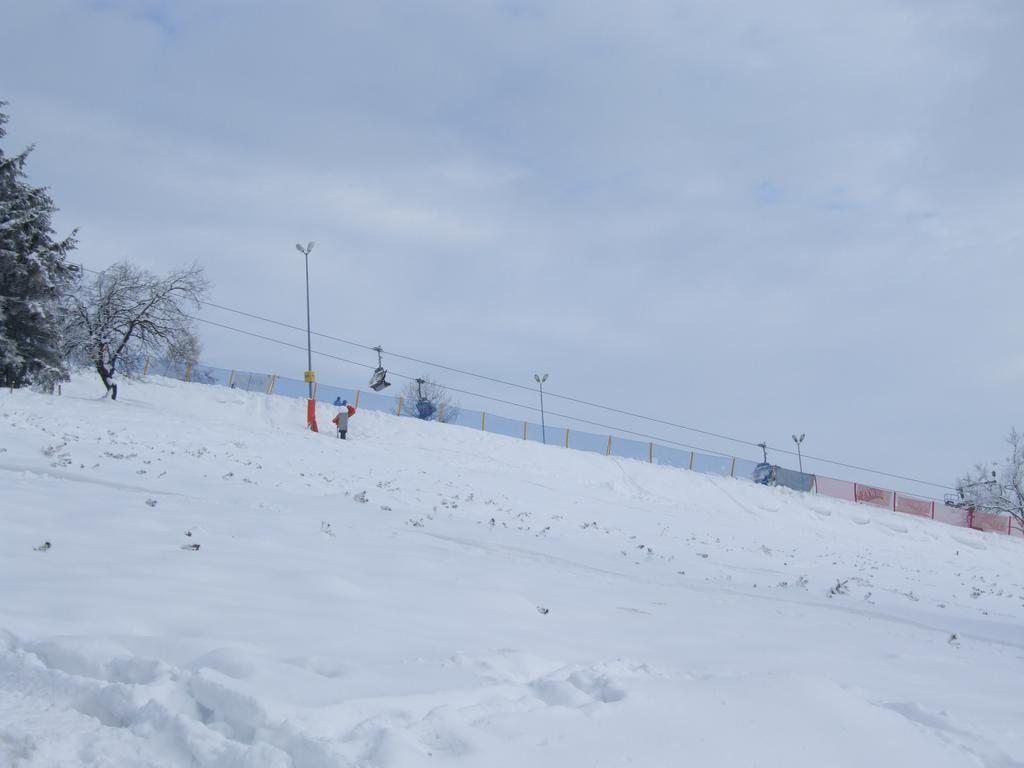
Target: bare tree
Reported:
[(184, 350), (127, 313), (997, 487), (445, 409)]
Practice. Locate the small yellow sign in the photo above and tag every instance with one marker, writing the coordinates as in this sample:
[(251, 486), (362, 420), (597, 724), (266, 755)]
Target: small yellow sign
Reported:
[(309, 377)]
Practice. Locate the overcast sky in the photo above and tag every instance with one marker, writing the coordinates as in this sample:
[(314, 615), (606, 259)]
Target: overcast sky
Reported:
[(751, 217)]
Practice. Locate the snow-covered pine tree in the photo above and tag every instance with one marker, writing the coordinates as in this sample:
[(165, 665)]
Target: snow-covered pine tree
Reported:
[(34, 272)]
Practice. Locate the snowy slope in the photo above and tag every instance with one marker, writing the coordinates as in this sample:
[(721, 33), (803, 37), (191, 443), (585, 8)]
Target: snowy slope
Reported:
[(690, 619)]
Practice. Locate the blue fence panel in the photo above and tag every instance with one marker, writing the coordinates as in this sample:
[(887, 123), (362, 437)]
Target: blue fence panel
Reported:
[(251, 382), (171, 370), (205, 374), (467, 418), (291, 388), (500, 425), (745, 469), (586, 441), (712, 465), (534, 433), (630, 449), (373, 401), (672, 457)]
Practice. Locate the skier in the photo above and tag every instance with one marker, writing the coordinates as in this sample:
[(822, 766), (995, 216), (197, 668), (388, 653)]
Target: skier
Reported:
[(345, 412)]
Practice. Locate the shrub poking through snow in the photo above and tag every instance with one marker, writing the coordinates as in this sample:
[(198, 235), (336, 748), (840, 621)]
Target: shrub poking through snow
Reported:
[(840, 588)]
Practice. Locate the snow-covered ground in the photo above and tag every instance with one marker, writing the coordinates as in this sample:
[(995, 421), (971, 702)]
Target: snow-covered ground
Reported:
[(430, 595)]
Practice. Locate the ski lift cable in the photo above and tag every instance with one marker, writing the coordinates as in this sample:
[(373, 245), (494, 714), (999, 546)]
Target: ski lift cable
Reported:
[(612, 409), (655, 438), (516, 385), (589, 422), (571, 399), (567, 398)]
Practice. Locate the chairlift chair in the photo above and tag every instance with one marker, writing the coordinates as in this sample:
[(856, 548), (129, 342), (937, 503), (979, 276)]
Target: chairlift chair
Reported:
[(378, 380), (424, 408), (764, 472)]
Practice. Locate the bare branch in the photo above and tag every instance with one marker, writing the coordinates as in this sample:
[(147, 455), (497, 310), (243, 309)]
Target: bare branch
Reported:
[(126, 313)]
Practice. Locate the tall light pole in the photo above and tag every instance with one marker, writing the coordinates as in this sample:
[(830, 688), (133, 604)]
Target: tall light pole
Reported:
[(309, 377), (540, 383), (799, 455)]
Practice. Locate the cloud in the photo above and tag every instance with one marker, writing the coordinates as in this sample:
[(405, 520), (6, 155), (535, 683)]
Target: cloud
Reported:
[(778, 212)]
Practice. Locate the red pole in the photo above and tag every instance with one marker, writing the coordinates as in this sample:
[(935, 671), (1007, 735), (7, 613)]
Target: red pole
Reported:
[(311, 415)]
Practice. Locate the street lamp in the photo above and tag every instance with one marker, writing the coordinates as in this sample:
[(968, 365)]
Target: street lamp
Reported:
[(540, 383), (309, 376), (799, 455)]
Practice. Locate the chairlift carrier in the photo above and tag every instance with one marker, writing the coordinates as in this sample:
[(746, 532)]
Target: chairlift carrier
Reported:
[(424, 408), (764, 472), (378, 380)]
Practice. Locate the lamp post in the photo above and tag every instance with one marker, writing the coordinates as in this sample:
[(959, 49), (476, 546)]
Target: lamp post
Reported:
[(540, 383), (799, 455), (309, 377)]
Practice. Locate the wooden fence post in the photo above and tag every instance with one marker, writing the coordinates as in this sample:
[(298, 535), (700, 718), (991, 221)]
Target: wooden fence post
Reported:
[(358, 392), (524, 430), (483, 421), (566, 437), (732, 470), (650, 453), (401, 402), (691, 460), (608, 450), (231, 380), (273, 382)]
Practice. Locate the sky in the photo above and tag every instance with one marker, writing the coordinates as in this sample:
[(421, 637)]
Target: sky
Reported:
[(751, 218)]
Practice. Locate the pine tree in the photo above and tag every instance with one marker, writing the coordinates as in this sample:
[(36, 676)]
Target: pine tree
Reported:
[(34, 272)]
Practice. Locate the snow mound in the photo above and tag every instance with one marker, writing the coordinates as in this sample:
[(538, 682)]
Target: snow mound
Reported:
[(224, 588)]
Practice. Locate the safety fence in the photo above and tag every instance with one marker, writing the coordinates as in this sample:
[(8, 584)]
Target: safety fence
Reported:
[(607, 444)]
